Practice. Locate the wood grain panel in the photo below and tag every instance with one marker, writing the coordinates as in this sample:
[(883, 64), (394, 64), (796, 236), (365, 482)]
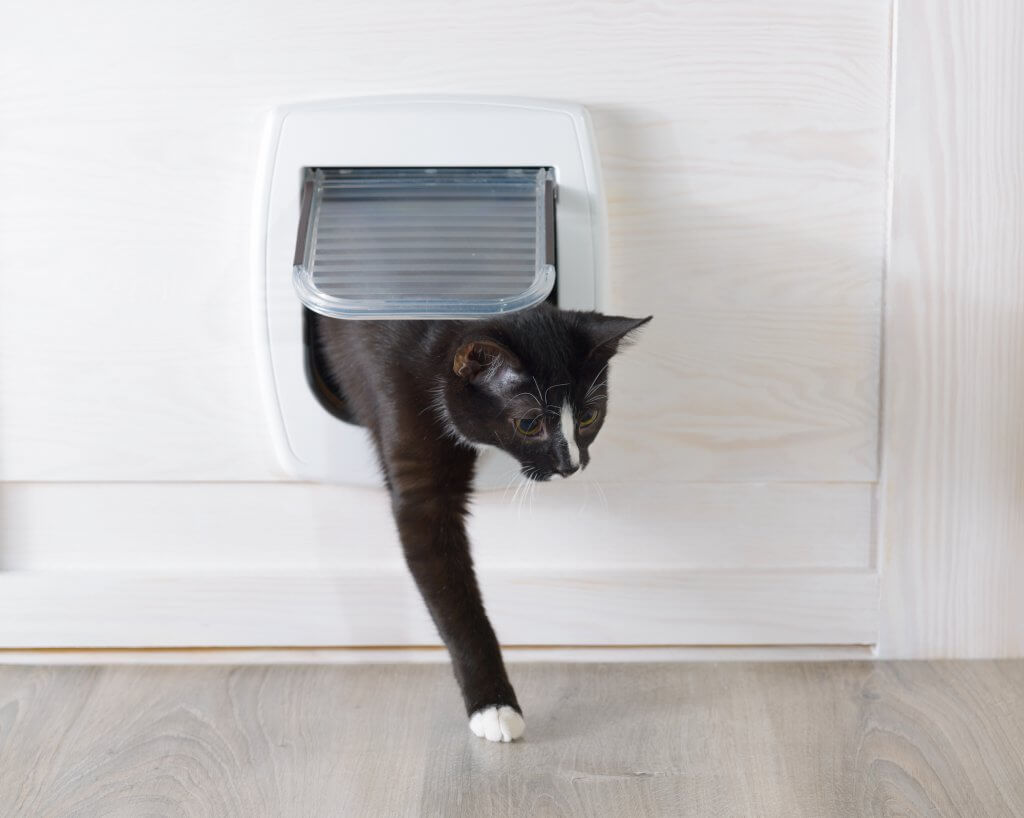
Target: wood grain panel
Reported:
[(845, 740), (269, 527), (123, 609), (743, 145), (953, 488)]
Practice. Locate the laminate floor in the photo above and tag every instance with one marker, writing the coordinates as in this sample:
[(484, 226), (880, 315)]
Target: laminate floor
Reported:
[(716, 739)]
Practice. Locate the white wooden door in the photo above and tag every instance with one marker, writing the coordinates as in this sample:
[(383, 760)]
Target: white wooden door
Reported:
[(746, 151)]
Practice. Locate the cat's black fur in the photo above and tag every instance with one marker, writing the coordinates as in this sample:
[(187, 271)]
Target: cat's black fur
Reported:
[(429, 393)]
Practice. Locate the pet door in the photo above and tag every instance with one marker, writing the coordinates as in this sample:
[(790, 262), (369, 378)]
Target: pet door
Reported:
[(425, 242), (413, 207)]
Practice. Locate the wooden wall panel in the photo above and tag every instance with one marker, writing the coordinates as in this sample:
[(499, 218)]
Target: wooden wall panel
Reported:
[(227, 528), (382, 608), (953, 485), (744, 149)]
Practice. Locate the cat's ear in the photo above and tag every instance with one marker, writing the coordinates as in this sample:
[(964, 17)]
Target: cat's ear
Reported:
[(485, 360), (608, 332)]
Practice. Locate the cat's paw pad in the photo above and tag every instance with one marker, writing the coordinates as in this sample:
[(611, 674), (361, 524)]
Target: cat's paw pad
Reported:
[(497, 723)]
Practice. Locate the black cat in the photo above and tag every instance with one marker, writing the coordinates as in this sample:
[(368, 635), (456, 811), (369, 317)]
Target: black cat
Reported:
[(534, 383)]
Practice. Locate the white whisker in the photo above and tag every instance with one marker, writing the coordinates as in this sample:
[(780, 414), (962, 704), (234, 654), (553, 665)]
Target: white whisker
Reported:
[(520, 482), (553, 386), (596, 377), (528, 394), (512, 473), (524, 487), (541, 398)]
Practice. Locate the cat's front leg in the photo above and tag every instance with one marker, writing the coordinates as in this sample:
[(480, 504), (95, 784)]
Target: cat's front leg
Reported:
[(429, 505)]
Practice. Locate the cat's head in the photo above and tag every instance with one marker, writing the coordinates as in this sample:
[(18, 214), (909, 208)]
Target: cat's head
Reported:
[(535, 384)]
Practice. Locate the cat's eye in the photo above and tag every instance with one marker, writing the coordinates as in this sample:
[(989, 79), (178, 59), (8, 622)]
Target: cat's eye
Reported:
[(528, 426), (588, 418)]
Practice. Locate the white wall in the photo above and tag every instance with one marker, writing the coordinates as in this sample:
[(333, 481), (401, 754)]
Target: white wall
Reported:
[(744, 147)]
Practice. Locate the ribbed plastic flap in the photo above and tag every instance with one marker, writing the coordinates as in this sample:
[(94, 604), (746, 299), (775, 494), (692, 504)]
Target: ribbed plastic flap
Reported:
[(425, 242)]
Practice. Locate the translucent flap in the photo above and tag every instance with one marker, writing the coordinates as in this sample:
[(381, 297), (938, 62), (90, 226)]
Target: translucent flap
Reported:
[(425, 242)]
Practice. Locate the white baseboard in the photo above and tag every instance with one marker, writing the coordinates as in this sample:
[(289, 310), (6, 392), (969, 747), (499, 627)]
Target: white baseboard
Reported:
[(52, 609), (359, 656)]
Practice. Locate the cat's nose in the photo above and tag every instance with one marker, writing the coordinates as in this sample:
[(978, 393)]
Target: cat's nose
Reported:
[(566, 472)]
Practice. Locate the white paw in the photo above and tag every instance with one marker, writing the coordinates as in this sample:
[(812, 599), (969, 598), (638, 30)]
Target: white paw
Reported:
[(498, 723)]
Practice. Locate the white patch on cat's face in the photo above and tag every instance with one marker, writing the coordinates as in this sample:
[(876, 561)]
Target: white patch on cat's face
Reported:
[(569, 433)]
